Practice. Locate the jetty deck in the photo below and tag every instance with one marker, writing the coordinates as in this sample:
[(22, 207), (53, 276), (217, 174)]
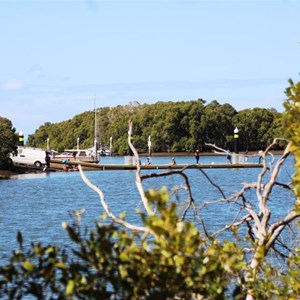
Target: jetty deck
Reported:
[(58, 164)]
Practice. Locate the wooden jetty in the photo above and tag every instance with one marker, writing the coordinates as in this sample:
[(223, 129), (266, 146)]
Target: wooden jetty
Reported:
[(58, 164)]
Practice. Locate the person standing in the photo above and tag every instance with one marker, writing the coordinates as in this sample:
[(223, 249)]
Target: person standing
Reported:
[(228, 157), (74, 155), (197, 156), (246, 156), (260, 156), (47, 161)]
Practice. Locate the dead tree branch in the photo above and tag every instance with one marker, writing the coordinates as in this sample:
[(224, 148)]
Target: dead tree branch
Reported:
[(107, 209), (138, 180)]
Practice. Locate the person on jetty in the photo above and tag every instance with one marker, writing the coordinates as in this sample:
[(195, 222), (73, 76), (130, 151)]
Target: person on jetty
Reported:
[(66, 165), (228, 156), (246, 155), (74, 155), (197, 156), (260, 156), (173, 161), (47, 161), (148, 162)]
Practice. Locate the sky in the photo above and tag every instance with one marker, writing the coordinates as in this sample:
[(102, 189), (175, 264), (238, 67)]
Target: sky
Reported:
[(58, 58)]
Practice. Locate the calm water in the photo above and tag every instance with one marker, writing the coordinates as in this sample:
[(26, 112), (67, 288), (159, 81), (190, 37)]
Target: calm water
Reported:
[(37, 204)]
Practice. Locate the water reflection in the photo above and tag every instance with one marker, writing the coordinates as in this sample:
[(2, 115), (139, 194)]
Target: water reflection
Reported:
[(29, 176)]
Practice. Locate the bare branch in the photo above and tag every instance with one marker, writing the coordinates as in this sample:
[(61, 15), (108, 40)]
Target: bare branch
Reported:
[(172, 172), (274, 173), (283, 185), (233, 223), (263, 191), (222, 151), (106, 208), (264, 195), (138, 180), (212, 183), (265, 168), (276, 228), (203, 225)]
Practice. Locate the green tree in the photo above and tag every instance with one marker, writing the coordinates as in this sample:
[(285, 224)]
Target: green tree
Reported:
[(217, 125), (8, 140), (173, 126), (257, 127)]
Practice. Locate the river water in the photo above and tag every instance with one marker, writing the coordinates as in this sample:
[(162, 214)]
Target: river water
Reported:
[(37, 204)]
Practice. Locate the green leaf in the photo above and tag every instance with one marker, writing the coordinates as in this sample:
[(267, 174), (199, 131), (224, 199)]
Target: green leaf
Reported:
[(28, 266), (70, 287)]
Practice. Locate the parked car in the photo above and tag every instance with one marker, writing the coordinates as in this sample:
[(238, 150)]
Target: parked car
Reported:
[(28, 156)]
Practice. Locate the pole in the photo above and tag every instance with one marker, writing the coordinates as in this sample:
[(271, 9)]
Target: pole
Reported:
[(149, 145), (78, 143), (96, 134), (110, 145), (21, 138), (95, 149), (48, 144), (236, 158), (236, 140), (95, 117)]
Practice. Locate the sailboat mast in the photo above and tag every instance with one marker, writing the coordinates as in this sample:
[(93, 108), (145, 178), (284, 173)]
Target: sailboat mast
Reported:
[(95, 126), (95, 132)]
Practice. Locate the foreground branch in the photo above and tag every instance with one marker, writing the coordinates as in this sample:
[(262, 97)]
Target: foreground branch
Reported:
[(138, 179), (106, 208)]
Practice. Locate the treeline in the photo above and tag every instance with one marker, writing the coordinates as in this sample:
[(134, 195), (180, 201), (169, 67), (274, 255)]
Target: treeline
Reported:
[(173, 126)]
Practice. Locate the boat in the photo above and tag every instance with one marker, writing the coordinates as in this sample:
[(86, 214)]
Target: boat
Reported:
[(103, 152), (85, 155)]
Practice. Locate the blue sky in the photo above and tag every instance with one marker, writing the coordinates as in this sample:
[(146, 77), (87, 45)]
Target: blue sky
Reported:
[(56, 57)]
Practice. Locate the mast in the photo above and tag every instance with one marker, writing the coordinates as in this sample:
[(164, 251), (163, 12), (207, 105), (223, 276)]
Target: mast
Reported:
[(95, 125), (95, 130)]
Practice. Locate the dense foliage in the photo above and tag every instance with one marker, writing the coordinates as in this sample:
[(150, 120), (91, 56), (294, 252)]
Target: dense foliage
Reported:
[(8, 139), (173, 126)]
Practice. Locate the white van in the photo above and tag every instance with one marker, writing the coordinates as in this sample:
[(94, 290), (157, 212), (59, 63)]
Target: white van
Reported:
[(28, 156)]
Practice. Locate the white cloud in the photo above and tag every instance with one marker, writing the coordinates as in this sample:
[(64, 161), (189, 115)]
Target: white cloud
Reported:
[(12, 84)]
